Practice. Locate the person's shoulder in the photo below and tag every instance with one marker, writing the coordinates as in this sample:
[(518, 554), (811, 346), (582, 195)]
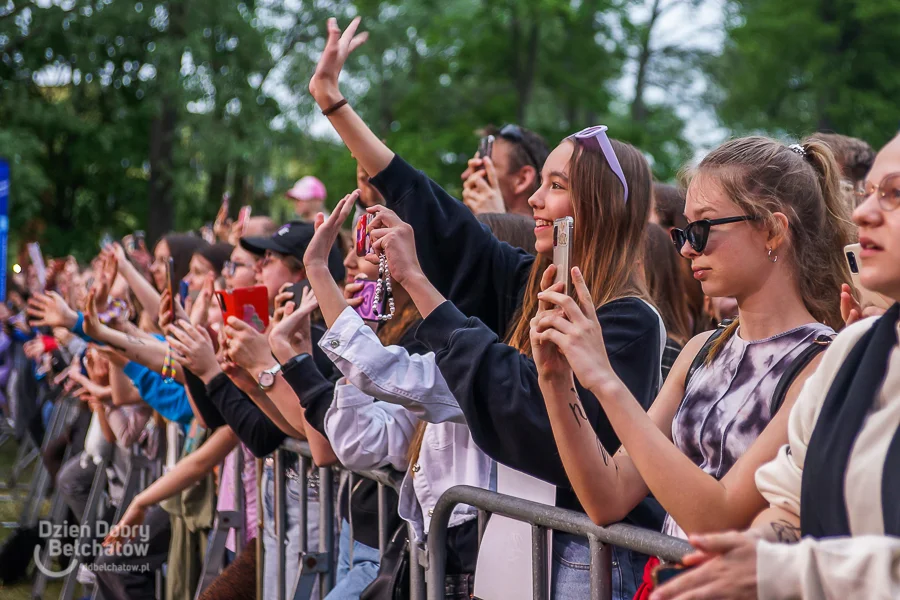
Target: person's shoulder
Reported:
[(636, 311), (847, 338)]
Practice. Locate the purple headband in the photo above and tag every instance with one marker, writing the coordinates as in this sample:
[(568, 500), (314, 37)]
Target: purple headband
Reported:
[(598, 133)]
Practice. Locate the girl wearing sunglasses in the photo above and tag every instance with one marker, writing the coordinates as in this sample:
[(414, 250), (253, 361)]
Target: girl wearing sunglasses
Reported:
[(767, 224), (480, 337)]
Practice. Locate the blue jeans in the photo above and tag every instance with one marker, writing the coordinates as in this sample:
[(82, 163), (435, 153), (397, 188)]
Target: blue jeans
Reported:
[(571, 569), (292, 533), (353, 579)]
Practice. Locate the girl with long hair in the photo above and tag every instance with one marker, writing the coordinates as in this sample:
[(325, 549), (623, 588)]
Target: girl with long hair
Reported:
[(768, 225)]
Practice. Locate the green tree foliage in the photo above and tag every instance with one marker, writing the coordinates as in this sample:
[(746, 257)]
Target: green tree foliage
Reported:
[(125, 115), (810, 65)]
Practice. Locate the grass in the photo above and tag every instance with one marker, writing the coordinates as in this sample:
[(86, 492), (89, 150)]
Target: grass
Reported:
[(10, 510)]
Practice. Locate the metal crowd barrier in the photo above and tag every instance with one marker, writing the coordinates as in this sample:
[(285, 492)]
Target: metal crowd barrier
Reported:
[(542, 518), (320, 566)]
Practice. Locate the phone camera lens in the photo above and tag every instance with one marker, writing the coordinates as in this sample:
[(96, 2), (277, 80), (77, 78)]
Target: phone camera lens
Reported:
[(851, 260)]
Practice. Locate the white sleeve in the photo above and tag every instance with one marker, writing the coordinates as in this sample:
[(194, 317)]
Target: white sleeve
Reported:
[(833, 568), (390, 373), (366, 434)]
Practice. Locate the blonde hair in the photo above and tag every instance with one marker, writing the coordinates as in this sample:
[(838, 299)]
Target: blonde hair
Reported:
[(763, 176), (608, 232)]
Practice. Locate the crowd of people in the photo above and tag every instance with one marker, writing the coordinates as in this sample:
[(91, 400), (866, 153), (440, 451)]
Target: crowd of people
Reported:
[(738, 388)]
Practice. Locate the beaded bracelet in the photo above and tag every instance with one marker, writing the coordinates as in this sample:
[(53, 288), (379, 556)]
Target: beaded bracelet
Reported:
[(168, 369), (383, 286)]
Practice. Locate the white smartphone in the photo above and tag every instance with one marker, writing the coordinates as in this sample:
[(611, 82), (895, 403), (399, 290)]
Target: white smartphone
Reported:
[(563, 238), (866, 297)]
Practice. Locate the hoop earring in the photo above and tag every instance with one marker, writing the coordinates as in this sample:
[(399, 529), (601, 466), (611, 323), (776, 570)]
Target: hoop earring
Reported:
[(775, 259)]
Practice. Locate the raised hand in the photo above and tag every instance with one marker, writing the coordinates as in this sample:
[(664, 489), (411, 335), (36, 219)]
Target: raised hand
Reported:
[(324, 83), (200, 307), (169, 311), (50, 310), (327, 230), (577, 333), (394, 237), (352, 288), (852, 311), (193, 349), (127, 526), (246, 347), (551, 363), (291, 335), (481, 190)]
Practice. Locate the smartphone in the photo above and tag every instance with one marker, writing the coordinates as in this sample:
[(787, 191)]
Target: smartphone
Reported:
[(250, 305), (183, 292), (486, 147), (363, 242), (37, 259), (563, 238), (297, 291), (366, 310), (666, 573), (243, 219), (106, 241), (170, 279), (866, 297)]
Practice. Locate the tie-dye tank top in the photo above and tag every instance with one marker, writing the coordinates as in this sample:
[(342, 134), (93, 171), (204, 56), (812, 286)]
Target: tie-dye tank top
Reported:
[(727, 404)]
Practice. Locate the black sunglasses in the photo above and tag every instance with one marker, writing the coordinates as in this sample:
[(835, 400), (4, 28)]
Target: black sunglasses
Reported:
[(697, 233), (513, 133)]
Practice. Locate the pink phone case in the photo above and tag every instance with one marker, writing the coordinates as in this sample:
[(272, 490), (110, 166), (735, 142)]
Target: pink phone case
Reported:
[(367, 293)]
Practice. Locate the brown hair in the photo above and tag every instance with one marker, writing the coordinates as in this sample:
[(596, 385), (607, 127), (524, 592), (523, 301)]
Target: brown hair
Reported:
[(608, 232), (668, 203), (763, 176), (853, 155), (662, 271), (514, 229)]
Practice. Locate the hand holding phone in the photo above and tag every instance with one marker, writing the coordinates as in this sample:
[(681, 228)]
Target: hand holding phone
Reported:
[(486, 147), (866, 297), (250, 305), (367, 311), (363, 242)]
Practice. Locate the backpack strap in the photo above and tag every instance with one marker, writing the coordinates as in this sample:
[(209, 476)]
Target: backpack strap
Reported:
[(704, 350), (819, 345)]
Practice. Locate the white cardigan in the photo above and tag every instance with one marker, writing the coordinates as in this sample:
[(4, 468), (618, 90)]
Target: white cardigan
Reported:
[(366, 434), (866, 565)]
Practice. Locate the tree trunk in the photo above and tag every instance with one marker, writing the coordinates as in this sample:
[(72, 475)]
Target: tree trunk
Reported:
[(161, 205), (638, 108)]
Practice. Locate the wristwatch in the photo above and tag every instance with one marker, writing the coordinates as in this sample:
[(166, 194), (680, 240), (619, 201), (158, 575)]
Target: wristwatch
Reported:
[(267, 378)]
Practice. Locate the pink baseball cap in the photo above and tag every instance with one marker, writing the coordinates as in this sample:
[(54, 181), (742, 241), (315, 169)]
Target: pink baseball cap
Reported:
[(307, 188)]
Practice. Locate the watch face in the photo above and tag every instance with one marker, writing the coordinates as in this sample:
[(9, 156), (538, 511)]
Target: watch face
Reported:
[(266, 379)]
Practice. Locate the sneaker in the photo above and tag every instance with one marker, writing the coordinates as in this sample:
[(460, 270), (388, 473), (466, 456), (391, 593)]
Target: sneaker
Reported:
[(85, 576)]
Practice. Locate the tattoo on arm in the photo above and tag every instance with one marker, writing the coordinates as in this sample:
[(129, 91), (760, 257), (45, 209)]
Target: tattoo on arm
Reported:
[(786, 532), (134, 340), (577, 410)]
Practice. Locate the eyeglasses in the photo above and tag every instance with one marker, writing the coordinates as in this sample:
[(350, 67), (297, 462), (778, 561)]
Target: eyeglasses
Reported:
[(513, 133), (697, 233), (888, 192), (598, 134), (229, 267)]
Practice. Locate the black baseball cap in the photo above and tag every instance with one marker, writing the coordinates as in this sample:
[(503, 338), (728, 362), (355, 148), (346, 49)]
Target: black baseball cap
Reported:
[(291, 239)]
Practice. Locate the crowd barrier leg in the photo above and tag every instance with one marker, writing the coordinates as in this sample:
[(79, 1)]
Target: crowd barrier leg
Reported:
[(280, 534), (326, 531), (311, 563), (540, 577), (226, 521), (25, 457), (260, 547), (58, 511), (89, 519), (601, 568), (62, 409), (417, 566)]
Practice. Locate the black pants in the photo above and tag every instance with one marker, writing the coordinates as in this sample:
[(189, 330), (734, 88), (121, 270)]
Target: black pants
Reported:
[(128, 575)]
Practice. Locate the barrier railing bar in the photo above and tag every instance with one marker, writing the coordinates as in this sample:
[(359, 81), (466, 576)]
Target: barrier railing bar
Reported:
[(278, 474), (326, 530), (539, 575), (601, 568), (625, 536), (303, 468), (260, 547)]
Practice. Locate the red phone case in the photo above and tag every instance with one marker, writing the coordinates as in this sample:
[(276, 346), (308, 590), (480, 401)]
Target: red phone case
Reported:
[(250, 305), (363, 243)]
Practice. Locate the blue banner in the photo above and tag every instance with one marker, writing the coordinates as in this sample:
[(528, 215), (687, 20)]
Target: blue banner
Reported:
[(4, 223)]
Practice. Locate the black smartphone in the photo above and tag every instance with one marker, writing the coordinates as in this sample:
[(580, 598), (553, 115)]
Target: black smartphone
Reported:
[(297, 291), (666, 573), (170, 279)]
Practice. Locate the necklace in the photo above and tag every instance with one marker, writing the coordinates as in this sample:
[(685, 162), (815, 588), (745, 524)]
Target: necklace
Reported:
[(383, 286)]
